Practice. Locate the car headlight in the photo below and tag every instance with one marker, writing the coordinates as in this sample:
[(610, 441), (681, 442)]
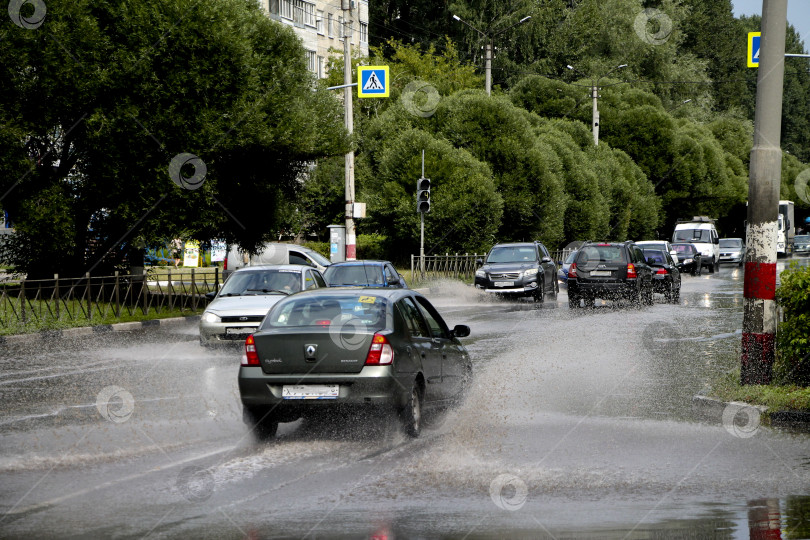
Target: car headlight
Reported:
[(210, 317), (687, 261), (480, 273), (530, 272)]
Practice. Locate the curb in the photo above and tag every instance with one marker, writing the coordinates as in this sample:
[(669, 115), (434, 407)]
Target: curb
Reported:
[(711, 409), (98, 329)]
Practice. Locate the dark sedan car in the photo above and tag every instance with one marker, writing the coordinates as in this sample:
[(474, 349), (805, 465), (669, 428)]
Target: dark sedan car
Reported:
[(689, 258), (363, 274), (666, 276), (562, 276), (352, 348)]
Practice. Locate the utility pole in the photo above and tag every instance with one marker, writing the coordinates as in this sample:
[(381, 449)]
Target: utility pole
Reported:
[(595, 97), (488, 37), (351, 238), (488, 67), (759, 304)]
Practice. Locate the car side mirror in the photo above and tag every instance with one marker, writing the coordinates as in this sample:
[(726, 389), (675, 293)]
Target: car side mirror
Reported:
[(479, 262), (717, 240), (546, 259), (394, 281), (210, 295), (461, 330)]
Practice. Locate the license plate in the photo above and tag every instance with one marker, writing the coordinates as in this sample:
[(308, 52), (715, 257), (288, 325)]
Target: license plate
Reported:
[(600, 273), (242, 330), (310, 391), (504, 283)]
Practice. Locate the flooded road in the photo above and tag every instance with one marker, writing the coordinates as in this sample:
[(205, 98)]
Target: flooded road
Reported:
[(579, 425)]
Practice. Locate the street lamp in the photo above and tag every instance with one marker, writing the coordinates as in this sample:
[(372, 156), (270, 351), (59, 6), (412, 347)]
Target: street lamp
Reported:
[(488, 36), (595, 96)]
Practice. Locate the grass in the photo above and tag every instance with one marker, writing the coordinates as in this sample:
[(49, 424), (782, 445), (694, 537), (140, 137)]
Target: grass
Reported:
[(776, 398), (49, 323)]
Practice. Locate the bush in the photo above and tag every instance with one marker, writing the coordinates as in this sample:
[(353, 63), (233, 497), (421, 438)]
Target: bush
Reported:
[(793, 336)]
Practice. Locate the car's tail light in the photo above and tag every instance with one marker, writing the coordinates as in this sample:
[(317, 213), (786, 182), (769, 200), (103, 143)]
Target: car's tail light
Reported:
[(631, 271), (380, 353), (572, 271), (251, 357), (661, 271), (225, 264)]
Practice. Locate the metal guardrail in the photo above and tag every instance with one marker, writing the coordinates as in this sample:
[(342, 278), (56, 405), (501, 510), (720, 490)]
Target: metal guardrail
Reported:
[(92, 299), (444, 266)]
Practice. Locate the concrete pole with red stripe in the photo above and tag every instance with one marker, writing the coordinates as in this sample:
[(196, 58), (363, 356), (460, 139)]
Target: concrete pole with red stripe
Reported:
[(759, 308)]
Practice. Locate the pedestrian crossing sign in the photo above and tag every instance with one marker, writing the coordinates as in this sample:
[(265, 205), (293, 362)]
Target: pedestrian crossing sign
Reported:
[(754, 39), (372, 81)]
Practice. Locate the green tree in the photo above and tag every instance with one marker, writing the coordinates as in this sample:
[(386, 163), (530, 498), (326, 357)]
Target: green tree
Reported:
[(102, 96)]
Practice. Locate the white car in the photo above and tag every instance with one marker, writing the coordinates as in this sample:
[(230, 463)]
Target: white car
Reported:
[(659, 244), (246, 297)]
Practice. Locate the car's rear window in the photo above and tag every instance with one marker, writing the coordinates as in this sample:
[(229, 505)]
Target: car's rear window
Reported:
[(329, 310), (730, 243), (355, 274), (601, 254), (512, 254), (656, 255)]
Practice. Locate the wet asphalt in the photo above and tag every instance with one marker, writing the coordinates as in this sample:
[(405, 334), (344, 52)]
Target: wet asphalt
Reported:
[(579, 424)]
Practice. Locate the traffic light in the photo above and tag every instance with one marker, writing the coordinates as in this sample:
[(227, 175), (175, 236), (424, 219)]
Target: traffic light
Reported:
[(423, 195)]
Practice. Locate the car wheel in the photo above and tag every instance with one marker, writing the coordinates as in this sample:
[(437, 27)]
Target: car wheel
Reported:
[(669, 292), (676, 295), (261, 422), (412, 413), (648, 296), (573, 301), (204, 343), (590, 302), (540, 294), (555, 290), (711, 267)]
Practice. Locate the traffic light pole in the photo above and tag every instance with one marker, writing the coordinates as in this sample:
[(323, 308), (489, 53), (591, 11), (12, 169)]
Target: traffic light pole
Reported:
[(759, 288), (422, 234)]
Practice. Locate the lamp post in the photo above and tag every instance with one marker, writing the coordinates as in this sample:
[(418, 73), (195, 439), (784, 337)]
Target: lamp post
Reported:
[(595, 96), (488, 48)]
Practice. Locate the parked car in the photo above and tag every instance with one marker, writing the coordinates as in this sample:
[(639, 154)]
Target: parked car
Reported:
[(363, 274), (274, 253), (246, 297), (370, 349), (701, 232), (732, 250), (801, 243), (689, 258), (562, 275), (610, 270), (659, 244), (666, 276), (518, 269)]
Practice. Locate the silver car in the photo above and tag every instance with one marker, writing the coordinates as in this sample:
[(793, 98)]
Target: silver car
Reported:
[(246, 297), (732, 250)]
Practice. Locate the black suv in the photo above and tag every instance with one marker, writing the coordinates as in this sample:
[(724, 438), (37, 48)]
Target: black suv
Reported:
[(609, 270), (519, 269)]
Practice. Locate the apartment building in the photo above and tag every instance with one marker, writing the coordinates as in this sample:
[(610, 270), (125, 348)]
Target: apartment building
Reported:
[(320, 25)]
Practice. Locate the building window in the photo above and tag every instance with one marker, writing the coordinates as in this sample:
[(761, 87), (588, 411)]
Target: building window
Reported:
[(287, 9), (363, 32), (312, 61), (320, 67), (341, 29), (319, 22), (273, 8), (330, 24), (303, 12)]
